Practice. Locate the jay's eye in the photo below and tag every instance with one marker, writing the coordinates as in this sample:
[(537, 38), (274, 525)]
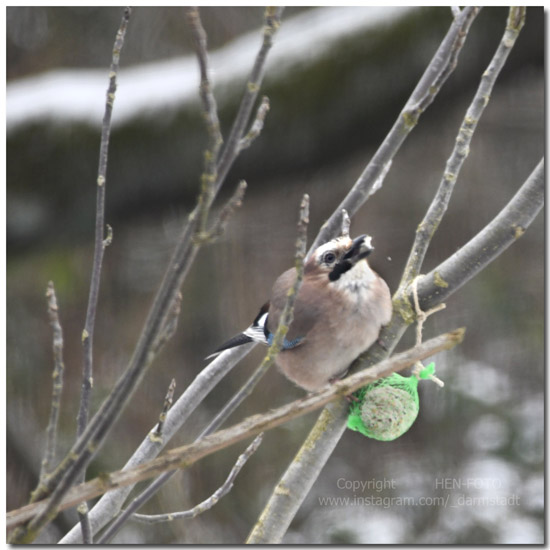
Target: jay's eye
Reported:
[(329, 258)]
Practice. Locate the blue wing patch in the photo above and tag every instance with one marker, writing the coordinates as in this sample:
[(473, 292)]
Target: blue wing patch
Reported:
[(287, 344)]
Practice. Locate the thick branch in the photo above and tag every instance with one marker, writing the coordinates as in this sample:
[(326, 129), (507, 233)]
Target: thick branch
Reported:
[(506, 228)]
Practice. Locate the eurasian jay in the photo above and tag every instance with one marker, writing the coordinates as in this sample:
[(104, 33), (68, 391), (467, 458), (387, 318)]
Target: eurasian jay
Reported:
[(338, 313)]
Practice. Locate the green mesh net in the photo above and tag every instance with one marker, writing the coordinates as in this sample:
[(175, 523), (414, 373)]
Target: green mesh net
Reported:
[(387, 408)]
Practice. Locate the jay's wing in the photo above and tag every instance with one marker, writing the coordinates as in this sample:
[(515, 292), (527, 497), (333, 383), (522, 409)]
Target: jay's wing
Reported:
[(306, 310)]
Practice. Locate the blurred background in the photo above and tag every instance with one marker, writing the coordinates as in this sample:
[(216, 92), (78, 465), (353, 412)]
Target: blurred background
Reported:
[(337, 79)]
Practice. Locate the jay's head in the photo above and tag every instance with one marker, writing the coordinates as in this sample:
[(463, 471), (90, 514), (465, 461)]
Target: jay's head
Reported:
[(339, 256)]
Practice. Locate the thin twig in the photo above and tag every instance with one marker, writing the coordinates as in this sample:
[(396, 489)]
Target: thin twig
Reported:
[(210, 113), (427, 88), (168, 400), (285, 321), (85, 527), (170, 324), (421, 317), (251, 426), (505, 229), (100, 241), (272, 20), (250, 384), (257, 125), (48, 461), (213, 499), (438, 207), (218, 226), (282, 329)]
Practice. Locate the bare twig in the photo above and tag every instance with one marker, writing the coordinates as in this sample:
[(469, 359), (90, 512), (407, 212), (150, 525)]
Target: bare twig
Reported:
[(506, 228), (421, 317), (213, 499), (100, 241), (282, 329), (48, 461), (257, 125), (208, 100), (170, 324), (438, 207), (210, 112), (219, 224), (250, 384), (272, 20), (168, 400), (85, 527), (251, 426), (427, 88)]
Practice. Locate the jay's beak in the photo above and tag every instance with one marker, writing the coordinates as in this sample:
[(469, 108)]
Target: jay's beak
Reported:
[(360, 248)]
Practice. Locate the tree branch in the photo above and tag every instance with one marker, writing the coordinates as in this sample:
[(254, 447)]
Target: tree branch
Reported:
[(100, 241), (213, 499), (48, 462), (438, 207), (272, 21), (253, 425), (210, 113), (506, 228)]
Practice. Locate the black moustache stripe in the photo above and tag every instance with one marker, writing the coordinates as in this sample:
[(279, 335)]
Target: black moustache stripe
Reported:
[(339, 270)]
